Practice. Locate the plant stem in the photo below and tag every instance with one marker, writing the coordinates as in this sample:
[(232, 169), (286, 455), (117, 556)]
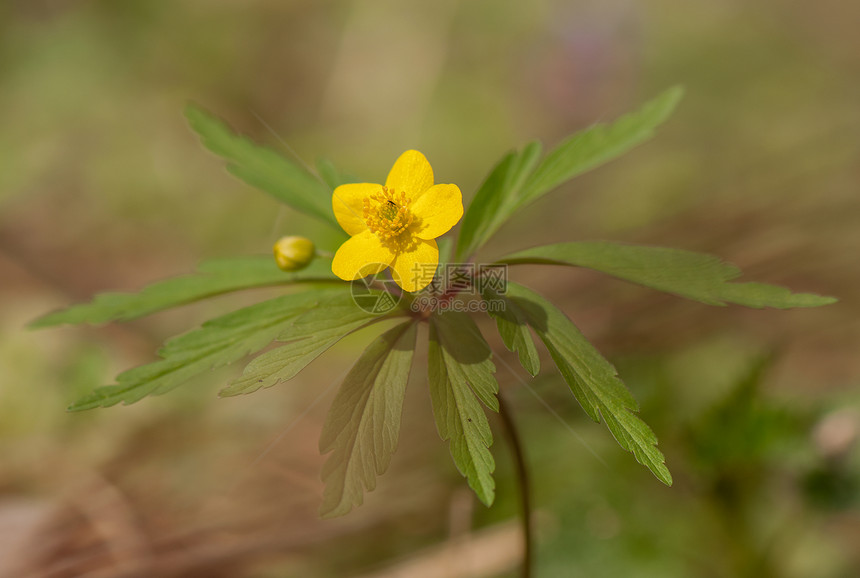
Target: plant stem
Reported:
[(522, 474)]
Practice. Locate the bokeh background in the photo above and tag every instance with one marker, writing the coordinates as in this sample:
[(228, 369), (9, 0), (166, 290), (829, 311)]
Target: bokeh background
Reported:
[(102, 186)]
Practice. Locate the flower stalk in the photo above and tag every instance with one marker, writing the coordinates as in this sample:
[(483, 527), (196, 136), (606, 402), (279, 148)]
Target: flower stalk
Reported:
[(522, 474)]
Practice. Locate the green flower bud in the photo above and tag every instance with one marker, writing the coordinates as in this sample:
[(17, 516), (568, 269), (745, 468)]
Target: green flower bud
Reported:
[(294, 253)]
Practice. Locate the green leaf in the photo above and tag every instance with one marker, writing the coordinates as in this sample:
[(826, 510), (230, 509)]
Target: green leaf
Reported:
[(496, 200), (218, 342), (460, 370), (311, 334), (263, 168), (513, 328), (759, 295), (592, 379), (696, 276), (515, 182), (363, 424), (212, 278), (599, 144)]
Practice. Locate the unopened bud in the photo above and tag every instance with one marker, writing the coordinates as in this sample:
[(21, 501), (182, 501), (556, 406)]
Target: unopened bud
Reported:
[(294, 253)]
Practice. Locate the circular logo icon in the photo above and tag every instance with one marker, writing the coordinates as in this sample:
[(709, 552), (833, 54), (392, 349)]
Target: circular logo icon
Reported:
[(377, 293)]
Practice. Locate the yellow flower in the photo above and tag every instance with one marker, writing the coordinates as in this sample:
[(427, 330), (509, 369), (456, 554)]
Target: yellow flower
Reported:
[(394, 225)]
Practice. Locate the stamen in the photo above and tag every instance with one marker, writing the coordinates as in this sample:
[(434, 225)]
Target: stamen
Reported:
[(387, 215)]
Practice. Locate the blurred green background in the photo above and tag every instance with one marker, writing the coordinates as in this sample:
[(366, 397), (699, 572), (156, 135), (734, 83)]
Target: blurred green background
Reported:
[(102, 186)]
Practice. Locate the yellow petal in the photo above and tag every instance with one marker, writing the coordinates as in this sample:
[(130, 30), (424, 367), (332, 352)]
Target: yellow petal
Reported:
[(411, 173), (437, 211), (360, 256), (348, 204), (413, 270)]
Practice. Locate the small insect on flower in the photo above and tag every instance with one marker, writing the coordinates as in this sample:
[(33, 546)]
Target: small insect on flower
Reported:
[(395, 225)]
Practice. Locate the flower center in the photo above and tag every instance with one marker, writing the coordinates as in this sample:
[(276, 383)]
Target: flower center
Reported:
[(387, 214)]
